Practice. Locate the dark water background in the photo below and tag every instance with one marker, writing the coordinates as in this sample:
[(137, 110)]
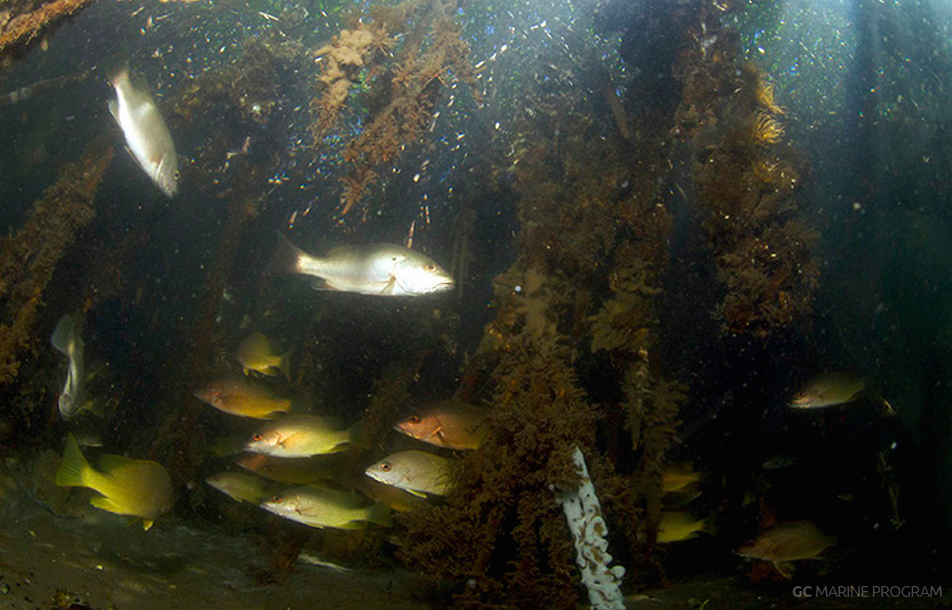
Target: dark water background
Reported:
[(866, 87)]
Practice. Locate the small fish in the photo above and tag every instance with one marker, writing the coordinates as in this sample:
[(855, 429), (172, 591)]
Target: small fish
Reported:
[(786, 542), (319, 507), (67, 341), (138, 488), (418, 472), (240, 486), (449, 424), (147, 136), (304, 436), (676, 526), (293, 471), (829, 389), (376, 269), (676, 479), (243, 398), (260, 354)]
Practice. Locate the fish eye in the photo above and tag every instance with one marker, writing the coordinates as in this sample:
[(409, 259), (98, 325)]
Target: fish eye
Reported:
[(277, 499), (430, 267), (257, 437), (414, 419), (385, 466), (176, 175)]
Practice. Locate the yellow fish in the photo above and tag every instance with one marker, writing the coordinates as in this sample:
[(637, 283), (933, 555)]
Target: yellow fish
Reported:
[(675, 479), (304, 436), (242, 398), (259, 353), (138, 488), (319, 507), (240, 486), (294, 471), (449, 424), (676, 526), (418, 472)]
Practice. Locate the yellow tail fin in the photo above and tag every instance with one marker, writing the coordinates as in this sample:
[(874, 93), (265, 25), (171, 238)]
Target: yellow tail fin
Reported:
[(72, 472)]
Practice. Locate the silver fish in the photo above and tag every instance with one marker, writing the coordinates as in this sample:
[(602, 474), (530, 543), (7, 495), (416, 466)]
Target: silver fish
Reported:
[(68, 342), (147, 136), (376, 269)]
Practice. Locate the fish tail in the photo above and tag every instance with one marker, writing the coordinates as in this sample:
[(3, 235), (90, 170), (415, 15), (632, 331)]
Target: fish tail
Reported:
[(64, 336), (286, 258), (380, 514), (359, 436), (284, 364), (75, 470), (119, 74)]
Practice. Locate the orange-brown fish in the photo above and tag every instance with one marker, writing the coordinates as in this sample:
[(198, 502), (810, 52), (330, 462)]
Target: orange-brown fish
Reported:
[(449, 424), (243, 398), (786, 542)]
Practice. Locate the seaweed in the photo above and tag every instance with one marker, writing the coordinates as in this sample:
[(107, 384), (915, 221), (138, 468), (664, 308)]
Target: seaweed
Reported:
[(403, 56), (747, 176)]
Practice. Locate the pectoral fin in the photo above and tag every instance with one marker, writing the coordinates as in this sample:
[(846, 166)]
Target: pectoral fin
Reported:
[(114, 109), (104, 503), (388, 289)]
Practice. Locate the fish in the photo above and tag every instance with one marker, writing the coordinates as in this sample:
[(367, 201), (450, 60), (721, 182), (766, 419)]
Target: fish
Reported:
[(676, 479), (676, 526), (319, 507), (243, 398), (67, 341), (136, 488), (450, 424), (148, 139), (260, 354), (829, 389), (304, 436), (241, 487), (373, 269), (418, 472), (292, 471), (783, 543), (399, 500)]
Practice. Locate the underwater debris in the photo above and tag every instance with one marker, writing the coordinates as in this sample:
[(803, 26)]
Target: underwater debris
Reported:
[(29, 258)]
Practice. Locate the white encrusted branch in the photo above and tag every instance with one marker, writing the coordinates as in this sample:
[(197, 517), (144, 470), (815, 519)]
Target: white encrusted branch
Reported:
[(584, 515)]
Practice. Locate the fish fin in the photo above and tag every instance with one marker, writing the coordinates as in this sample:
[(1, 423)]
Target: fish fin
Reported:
[(147, 524), (246, 370), (890, 411), (380, 514), (114, 109), (286, 257), (359, 436), (418, 494), (73, 471), (351, 525), (320, 284), (284, 365), (96, 406), (785, 568), (64, 335), (119, 74), (104, 503), (388, 289)]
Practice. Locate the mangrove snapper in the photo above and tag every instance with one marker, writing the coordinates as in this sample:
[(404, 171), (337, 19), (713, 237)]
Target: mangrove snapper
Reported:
[(376, 269), (783, 543), (260, 354), (67, 341), (449, 424), (418, 472), (303, 436), (240, 486), (319, 507), (138, 488), (829, 389), (294, 471), (240, 397), (147, 136)]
